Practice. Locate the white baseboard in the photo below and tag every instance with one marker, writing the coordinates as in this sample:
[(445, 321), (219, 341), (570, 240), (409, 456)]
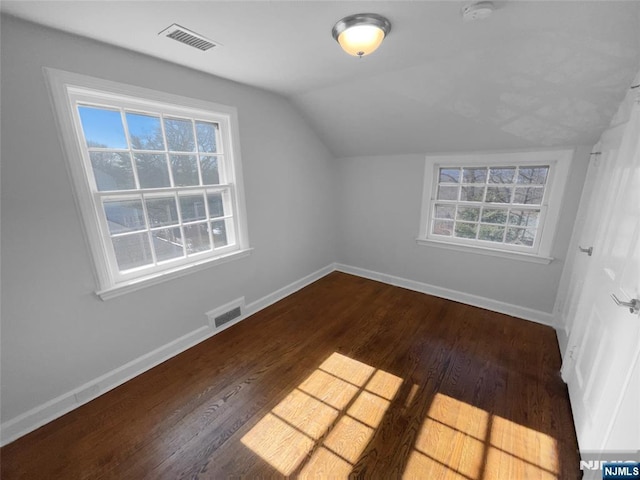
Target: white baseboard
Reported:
[(42, 414), (278, 295), (474, 300), (562, 333), (45, 413), (55, 408)]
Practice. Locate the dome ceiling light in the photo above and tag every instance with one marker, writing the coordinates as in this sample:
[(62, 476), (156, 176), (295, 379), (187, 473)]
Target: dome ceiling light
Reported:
[(361, 34), (477, 11)]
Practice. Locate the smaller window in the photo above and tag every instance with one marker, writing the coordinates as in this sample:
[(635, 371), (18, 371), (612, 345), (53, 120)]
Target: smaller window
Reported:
[(507, 202)]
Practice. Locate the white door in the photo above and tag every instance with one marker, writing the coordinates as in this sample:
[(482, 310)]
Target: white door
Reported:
[(588, 223), (604, 342)]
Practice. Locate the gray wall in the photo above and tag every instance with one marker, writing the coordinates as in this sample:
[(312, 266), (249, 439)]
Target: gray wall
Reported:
[(381, 196), (305, 211), (56, 334)]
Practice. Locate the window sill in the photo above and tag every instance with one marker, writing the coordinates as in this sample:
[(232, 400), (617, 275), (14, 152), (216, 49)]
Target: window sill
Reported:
[(524, 257), (156, 278)]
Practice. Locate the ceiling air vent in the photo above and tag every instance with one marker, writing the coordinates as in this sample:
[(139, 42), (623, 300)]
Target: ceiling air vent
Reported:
[(188, 37)]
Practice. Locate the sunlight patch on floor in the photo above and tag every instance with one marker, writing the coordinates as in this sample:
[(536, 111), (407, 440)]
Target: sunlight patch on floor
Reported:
[(452, 436), (323, 426), (326, 464), (459, 441), (411, 397), (282, 445), (520, 452), (328, 389), (306, 413)]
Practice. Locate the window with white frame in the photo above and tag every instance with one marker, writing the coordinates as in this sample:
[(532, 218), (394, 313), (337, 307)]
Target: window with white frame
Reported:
[(157, 176), (502, 203)]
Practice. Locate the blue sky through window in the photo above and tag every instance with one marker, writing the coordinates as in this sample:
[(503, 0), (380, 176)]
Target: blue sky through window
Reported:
[(144, 131), (102, 128)]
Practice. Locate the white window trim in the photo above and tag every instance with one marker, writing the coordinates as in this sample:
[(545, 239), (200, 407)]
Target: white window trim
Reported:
[(560, 165), (62, 88)]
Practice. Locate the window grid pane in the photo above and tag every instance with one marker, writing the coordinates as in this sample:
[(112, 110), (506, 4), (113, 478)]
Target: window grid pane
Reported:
[(145, 131), (132, 251), (207, 137), (496, 204), (159, 228), (179, 135), (152, 140), (168, 243), (133, 151)]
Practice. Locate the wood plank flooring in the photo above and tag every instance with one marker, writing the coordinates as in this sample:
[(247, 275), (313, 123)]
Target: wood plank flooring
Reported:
[(346, 378)]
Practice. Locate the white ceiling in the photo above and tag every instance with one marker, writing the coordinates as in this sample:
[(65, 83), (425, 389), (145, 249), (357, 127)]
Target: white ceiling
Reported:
[(542, 73)]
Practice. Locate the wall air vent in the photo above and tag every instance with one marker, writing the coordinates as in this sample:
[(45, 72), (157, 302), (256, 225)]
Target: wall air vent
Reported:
[(226, 317), (188, 37), (226, 313)]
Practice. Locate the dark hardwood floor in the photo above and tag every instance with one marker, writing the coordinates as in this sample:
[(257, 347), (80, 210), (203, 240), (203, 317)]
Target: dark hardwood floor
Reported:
[(347, 377)]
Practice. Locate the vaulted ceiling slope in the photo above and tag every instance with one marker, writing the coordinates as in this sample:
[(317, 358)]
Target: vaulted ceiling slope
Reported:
[(534, 74)]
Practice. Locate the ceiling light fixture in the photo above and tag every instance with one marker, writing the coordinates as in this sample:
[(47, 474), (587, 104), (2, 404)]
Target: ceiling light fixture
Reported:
[(361, 34), (477, 11)]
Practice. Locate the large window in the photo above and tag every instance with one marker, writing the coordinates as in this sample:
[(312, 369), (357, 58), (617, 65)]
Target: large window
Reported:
[(494, 203), (157, 178)]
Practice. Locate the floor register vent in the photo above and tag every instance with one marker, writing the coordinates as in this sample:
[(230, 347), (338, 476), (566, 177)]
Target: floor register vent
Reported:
[(226, 313)]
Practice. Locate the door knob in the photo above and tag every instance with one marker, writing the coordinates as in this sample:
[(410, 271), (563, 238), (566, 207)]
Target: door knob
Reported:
[(633, 305), (588, 251)]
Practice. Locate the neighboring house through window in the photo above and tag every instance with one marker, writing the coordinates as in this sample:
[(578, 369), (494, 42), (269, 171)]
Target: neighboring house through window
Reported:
[(157, 176), (503, 204)]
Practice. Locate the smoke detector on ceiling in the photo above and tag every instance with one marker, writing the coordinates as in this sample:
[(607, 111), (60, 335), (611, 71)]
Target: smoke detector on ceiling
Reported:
[(477, 11), (188, 37)]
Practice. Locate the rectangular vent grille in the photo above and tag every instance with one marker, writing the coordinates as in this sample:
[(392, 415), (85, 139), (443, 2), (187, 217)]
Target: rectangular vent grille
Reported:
[(227, 317), (188, 37), (226, 313)]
